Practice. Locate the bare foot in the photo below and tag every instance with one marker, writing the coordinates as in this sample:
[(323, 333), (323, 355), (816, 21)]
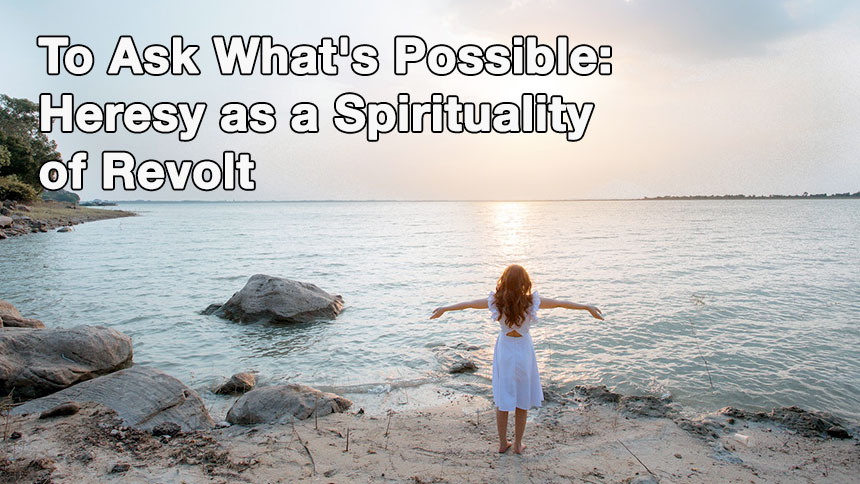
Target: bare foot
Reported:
[(520, 450), (504, 448)]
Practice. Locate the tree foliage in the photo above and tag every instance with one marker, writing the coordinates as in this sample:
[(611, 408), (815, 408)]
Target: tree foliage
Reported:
[(5, 157), (61, 196), (26, 147)]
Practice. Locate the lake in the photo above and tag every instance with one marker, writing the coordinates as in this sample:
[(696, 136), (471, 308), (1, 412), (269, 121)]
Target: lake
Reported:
[(766, 291)]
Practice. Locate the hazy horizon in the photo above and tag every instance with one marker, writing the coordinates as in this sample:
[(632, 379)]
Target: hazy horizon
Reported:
[(705, 98), (834, 196)]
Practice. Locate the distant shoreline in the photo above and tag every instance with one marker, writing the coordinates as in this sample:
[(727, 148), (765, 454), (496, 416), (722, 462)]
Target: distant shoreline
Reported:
[(805, 196), (854, 196)]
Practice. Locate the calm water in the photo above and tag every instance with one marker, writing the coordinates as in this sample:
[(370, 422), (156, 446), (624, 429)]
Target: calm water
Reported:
[(771, 289)]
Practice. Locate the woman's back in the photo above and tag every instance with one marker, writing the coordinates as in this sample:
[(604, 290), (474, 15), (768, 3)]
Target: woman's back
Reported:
[(529, 317)]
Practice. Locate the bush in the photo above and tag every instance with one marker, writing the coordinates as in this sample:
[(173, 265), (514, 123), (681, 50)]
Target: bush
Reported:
[(11, 188)]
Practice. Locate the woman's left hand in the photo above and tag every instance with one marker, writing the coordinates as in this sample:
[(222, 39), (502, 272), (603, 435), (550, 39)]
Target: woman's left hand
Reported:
[(595, 311), (437, 312)]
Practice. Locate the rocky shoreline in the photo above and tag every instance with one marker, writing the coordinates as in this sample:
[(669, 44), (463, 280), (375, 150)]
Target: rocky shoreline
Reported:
[(43, 216), (75, 408)]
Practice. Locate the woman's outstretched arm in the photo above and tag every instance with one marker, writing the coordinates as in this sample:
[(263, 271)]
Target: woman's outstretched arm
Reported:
[(546, 303), (476, 304)]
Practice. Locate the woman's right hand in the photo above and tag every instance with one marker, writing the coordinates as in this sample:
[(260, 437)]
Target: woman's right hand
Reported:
[(595, 312), (437, 312)]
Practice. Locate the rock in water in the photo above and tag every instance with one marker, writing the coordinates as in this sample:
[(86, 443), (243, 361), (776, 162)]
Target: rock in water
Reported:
[(808, 423), (599, 394), (279, 301), (804, 422), (38, 362), (238, 383), (456, 358), (282, 403), (142, 397), (11, 317), (462, 365)]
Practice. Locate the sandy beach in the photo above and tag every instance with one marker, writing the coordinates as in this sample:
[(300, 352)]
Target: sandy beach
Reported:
[(578, 439)]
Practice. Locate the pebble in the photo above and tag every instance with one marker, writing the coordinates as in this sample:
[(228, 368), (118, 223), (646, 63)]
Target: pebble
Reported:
[(86, 457)]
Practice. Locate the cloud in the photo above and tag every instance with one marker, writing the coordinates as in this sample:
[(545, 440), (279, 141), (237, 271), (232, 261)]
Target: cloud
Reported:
[(696, 30)]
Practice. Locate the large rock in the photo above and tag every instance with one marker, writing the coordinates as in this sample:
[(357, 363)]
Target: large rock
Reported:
[(10, 317), (279, 301), (282, 403), (5, 221), (38, 362), (143, 397), (238, 383)]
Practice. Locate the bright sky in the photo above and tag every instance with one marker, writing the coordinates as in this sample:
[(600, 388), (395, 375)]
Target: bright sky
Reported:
[(705, 97)]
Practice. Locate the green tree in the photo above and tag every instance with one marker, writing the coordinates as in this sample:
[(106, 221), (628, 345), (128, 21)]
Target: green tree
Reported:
[(27, 147), (5, 157)]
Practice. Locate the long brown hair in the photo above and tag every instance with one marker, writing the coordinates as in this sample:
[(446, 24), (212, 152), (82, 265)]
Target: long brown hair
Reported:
[(513, 295)]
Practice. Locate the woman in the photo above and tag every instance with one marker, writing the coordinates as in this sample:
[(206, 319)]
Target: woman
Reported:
[(516, 381)]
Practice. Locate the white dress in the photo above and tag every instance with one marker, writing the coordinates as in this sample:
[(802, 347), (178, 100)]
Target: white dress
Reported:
[(516, 382)]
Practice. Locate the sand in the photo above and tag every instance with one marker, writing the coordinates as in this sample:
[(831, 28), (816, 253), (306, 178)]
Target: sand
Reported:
[(455, 441)]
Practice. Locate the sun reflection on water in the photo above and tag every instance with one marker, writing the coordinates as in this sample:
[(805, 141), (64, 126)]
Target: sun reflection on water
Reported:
[(509, 220)]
